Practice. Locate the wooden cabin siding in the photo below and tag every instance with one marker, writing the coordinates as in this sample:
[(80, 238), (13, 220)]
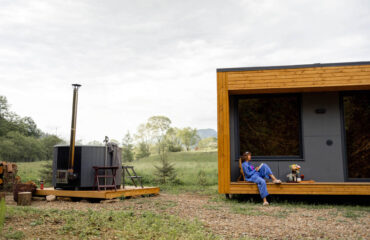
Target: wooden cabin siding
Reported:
[(223, 133), (299, 79), (287, 79)]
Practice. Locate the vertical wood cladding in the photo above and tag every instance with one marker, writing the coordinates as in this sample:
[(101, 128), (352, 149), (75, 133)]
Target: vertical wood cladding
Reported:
[(223, 133)]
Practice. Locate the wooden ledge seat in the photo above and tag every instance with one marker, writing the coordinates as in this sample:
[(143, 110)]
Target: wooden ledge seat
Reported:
[(304, 188), (301, 182)]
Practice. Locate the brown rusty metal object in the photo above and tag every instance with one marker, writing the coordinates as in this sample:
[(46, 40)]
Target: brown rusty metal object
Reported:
[(23, 187), (71, 174)]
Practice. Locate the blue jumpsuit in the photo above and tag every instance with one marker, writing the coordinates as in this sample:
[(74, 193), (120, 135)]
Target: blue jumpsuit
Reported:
[(251, 175)]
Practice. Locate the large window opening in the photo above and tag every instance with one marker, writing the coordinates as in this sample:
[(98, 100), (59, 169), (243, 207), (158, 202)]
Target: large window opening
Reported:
[(269, 126), (356, 110)]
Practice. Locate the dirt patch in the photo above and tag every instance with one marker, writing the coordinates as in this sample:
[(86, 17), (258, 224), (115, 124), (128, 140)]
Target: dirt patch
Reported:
[(231, 219)]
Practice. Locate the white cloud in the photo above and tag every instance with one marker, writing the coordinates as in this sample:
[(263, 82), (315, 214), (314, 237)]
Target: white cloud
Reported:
[(136, 59)]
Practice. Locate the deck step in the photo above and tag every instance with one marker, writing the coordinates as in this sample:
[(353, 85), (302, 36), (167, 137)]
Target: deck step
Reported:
[(131, 174)]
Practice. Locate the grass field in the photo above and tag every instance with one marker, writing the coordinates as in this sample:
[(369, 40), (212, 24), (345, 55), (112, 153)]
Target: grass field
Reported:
[(190, 210), (187, 165), (30, 171), (184, 216), (143, 225), (97, 224)]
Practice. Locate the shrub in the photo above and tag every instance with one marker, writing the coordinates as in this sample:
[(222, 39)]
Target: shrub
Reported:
[(202, 179)]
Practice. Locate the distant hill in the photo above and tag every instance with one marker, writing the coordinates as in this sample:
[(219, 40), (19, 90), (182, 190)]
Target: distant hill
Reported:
[(206, 133)]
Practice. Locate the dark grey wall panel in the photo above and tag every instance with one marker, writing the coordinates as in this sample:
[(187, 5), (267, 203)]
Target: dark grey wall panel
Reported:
[(90, 156), (94, 156), (321, 124), (322, 162)]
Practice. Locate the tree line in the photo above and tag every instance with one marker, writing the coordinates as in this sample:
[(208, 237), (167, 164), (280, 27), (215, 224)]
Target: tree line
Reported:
[(158, 136), (21, 140)]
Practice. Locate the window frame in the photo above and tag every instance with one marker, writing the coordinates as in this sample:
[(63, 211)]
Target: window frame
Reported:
[(269, 158)]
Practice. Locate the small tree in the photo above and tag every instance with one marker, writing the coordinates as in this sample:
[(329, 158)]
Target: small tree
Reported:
[(142, 150), (208, 143), (165, 172), (202, 178), (173, 140), (46, 172), (189, 137), (158, 126), (127, 148), (142, 137)]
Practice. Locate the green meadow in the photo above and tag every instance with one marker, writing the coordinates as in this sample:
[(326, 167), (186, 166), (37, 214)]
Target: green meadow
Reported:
[(196, 171)]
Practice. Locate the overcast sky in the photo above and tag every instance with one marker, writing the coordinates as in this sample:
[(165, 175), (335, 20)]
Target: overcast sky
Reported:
[(136, 59)]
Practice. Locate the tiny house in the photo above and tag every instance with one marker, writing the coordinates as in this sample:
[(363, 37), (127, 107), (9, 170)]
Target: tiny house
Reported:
[(316, 115)]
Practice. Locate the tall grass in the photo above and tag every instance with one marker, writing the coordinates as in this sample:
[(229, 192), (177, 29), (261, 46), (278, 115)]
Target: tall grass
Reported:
[(2, 213), (188, 166), (195, 170), (30, 171)]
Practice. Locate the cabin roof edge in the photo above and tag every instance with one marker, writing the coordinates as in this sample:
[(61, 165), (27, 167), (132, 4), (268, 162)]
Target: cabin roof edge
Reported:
[(239, 69)]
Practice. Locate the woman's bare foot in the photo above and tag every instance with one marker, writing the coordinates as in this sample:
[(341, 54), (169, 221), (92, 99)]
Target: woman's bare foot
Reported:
[(277, 181)]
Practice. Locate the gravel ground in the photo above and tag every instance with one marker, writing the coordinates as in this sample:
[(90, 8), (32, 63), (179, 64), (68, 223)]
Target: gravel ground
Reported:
[(231, 219)]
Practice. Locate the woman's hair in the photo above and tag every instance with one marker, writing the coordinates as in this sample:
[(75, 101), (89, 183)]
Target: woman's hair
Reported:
[(247, 153)]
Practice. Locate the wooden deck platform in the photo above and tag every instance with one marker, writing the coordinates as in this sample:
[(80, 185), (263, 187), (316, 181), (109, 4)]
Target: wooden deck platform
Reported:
[(106, 194), (307, 188)]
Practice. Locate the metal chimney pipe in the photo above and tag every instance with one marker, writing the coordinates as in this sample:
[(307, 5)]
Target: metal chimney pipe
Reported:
[(71, 174)]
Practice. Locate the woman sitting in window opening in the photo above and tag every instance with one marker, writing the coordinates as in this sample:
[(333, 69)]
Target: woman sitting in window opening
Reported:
[(257, 175)]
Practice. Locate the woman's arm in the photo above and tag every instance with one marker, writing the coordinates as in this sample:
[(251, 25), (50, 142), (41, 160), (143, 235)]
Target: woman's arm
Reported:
[(248, 171)]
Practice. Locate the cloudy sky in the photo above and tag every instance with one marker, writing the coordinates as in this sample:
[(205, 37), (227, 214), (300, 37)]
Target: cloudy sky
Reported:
[(136, 59)]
